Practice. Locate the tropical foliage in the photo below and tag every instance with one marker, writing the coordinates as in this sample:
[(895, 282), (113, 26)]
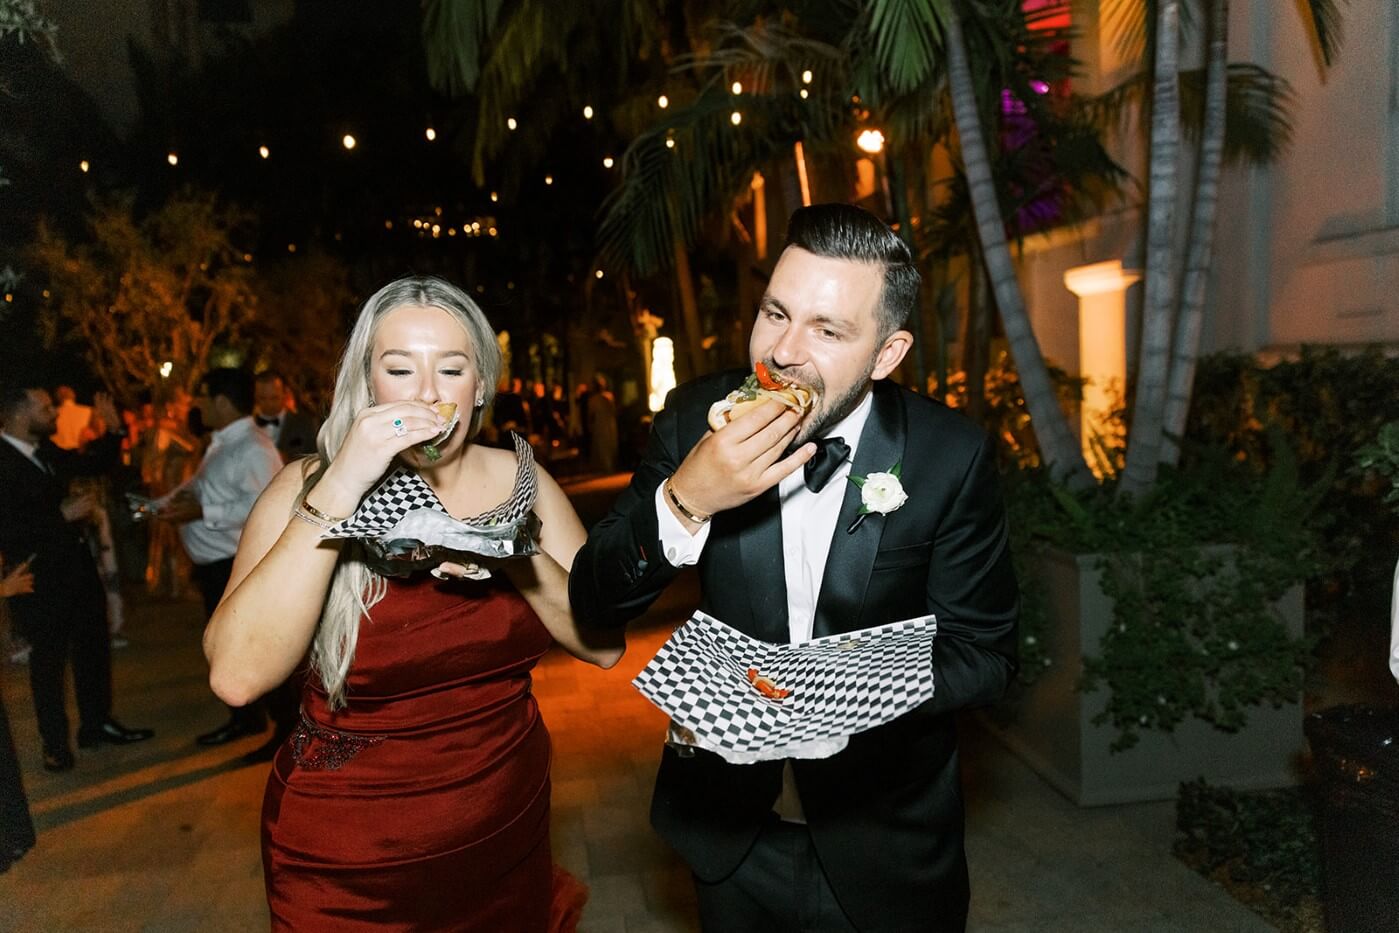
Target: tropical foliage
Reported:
[(148, 299)]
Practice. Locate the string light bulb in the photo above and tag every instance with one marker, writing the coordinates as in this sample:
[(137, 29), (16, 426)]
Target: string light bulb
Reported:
[(735, 118), (430, 133), (548, 179), (495, 196), (606, 162), (83, 166), (264, 152), (737, 87), (670, 143), (663, 102), (871, 141), (348, 141), (511, 123), (173, 159), (805, 95), (588, 112), (806, 76), (598, 273)]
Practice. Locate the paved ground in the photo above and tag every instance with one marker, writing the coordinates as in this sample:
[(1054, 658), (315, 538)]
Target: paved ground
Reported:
[(163, 836)]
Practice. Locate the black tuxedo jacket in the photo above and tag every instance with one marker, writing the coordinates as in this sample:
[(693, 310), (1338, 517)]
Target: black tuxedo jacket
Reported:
[(66, 580), (885, 814)]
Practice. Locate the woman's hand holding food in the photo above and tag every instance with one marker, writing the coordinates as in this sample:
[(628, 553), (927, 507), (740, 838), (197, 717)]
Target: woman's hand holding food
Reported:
[(378, 435)]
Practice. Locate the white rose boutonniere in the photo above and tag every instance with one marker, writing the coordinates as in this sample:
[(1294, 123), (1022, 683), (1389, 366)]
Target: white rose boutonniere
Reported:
[(880, 493)]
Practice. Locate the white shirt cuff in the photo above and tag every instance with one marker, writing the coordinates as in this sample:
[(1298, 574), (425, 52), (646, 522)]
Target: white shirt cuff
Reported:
[(214, 516), (681, 548)]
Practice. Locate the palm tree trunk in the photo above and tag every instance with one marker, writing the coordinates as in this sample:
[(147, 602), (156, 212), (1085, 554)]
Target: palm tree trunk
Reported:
[(689, 308), (976, 345), (1192, 309), (1058, 447), (1144, 444)]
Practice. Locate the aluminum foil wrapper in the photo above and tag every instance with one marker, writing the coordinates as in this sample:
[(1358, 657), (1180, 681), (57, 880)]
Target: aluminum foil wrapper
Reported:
[(425, 538)]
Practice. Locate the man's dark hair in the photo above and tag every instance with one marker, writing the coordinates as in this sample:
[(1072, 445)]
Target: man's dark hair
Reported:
[(236, 385), (13, 396), (844, 231)]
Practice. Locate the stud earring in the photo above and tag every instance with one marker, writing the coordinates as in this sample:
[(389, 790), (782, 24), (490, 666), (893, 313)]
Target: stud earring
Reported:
[(480, 401)]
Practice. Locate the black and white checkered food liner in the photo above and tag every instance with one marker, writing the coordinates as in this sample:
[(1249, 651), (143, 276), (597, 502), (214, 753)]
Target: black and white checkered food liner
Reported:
[(840, 684), (404, 491)]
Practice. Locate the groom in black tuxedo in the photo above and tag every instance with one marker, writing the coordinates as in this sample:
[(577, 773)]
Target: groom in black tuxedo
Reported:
[(870, 838)]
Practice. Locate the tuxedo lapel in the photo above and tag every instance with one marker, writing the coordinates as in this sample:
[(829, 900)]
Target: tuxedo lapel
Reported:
[(851, 557), (760, 546)]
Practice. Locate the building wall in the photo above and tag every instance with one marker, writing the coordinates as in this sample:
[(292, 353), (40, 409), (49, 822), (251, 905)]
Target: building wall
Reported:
[(1319, 230), (1307, 250)]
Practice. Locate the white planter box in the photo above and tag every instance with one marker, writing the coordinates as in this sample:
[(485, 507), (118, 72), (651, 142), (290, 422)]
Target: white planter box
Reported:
[(1051, 724)]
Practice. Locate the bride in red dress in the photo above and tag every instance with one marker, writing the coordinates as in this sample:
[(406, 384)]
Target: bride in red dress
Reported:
[(415, 793)]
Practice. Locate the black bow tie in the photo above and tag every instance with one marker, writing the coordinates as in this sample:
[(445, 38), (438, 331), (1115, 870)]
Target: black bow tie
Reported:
[(830, 454), (264, 422)]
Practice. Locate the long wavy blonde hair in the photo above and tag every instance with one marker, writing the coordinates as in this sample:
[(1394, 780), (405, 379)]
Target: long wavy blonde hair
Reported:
[(354, 588)]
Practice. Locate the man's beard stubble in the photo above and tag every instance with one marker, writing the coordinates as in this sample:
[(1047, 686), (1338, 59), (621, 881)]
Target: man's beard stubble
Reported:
[(829, 411)]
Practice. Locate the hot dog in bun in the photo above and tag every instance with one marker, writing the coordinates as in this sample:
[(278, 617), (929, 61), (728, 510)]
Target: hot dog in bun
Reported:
[(761, 385)]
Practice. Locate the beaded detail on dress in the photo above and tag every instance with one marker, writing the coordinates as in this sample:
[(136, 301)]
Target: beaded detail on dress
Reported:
[(317, 748)]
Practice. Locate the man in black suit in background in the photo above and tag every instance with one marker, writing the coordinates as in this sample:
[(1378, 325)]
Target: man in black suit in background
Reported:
[(293, 432), (870, 838), (65, 618)]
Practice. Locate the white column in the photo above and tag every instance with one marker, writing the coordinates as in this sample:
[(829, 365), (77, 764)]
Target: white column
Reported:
[(1102, 345)]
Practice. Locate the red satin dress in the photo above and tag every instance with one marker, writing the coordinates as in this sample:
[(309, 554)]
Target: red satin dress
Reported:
[(424, 803)]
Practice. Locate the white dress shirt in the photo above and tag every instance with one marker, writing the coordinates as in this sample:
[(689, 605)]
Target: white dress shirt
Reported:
[(240, 462), (1394, 626), (808, 523)]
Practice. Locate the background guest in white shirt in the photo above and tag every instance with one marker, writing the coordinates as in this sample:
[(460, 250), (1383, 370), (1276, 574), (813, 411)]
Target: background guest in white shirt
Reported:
[(294, 432), (73, 426), (213, 505)]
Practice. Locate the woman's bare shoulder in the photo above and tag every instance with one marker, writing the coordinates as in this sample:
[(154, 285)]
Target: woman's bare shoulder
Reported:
[(286, 486)]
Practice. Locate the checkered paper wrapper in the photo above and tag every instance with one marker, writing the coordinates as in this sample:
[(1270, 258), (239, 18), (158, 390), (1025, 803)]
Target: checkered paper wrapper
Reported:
[(406, 528), (839, 685)]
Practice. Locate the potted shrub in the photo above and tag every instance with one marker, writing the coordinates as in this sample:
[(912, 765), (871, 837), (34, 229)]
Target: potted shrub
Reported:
[(1162, 639)]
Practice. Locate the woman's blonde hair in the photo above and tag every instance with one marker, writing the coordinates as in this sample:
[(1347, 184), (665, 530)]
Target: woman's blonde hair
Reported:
[(354, 587)]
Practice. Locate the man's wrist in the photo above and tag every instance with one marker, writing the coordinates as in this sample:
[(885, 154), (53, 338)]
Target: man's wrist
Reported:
[(680, 508)]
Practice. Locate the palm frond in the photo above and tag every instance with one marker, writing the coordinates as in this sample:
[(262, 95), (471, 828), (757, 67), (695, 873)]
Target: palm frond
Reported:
[(455, 36), (1132, 26), (906, 39), (1324, 18), (1127, 21), (1258, 125), (666, 193)]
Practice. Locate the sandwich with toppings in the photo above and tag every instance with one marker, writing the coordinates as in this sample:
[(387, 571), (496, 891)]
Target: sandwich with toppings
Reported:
[(447, 410), (761, 385)]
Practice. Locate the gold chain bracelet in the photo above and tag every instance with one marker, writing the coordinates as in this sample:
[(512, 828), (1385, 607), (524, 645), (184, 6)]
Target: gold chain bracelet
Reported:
[(680, 506)]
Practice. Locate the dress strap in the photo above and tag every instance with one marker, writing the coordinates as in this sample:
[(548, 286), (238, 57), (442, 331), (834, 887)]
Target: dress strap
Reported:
[(522, 496)]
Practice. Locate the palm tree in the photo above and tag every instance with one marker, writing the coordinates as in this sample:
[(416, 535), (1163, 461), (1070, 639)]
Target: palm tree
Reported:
[(1323, 18), (905, 32), (1158, 305)]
